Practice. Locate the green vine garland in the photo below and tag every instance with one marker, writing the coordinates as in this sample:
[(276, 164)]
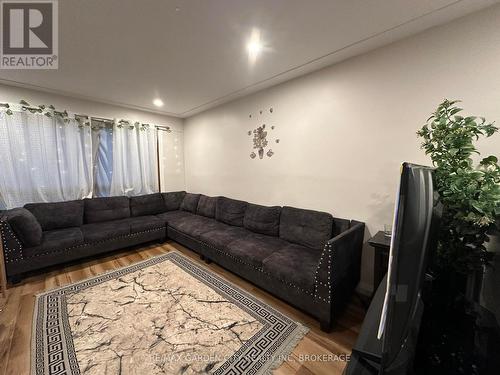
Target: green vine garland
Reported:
[(83, 121)]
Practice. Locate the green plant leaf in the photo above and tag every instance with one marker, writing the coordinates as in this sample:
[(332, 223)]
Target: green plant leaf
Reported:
[(470, 193), (489, 160)]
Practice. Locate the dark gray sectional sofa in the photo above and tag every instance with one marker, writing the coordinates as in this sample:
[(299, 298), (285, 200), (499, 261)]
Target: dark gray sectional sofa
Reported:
[(307, 258)]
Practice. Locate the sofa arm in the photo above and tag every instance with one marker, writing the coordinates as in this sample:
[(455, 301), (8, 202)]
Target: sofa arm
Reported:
[(340, 263), (12, 246)]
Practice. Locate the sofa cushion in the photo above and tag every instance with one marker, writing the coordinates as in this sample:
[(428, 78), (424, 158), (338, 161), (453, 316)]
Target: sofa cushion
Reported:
[(25, 226), (294, 264), (57, 215), (190, 202), (230, 211), (143, 223), (254, 248), (106, 230), (55, 240), (194, 225), (170, 215), (173, 200), (106, 209), (223, 236), (262, 219), (305, 227), (206, 206), (150, 204), (184, 222)]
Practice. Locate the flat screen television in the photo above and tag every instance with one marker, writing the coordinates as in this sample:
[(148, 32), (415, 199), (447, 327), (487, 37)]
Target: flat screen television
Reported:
[(415, 224), (387, 339)]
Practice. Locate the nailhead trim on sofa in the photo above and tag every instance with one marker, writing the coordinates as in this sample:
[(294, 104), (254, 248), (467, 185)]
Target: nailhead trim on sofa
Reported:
[(8, 252), (327, 249)]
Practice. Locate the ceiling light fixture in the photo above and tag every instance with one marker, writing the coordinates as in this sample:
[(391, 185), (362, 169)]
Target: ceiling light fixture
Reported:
[(158, 102), (254, 46)]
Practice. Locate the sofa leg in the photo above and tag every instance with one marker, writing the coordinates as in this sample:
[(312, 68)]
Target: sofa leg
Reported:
[(16, 279), (207, 261), (202, 257), (326, 326)]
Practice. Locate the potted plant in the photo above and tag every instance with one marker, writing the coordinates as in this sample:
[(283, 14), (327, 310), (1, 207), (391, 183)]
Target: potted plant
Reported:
[(469, 190)]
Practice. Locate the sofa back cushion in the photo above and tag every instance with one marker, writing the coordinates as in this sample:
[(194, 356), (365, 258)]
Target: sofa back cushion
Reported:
[(190, 202), (149, 204), (206, 206), (173, 200), (25, 226), (262, 219), (305, 227), (230, 211), (106, 209), (57, 215)]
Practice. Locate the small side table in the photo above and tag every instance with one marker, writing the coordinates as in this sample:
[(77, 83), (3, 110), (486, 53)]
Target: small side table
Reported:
[(381, 245)]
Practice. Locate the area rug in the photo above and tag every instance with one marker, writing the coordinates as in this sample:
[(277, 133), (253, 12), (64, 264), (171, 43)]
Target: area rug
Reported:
[(164, 315)]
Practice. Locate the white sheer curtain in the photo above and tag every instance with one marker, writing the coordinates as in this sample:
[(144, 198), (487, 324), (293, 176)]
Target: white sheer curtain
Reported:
[(135, 161), (43, 159)]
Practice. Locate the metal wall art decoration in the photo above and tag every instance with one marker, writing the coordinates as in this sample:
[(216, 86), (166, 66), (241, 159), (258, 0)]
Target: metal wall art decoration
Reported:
[(259, 140)]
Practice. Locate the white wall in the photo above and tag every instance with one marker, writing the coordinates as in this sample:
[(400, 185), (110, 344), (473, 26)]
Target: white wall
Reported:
[(345, 129), (13, 94)]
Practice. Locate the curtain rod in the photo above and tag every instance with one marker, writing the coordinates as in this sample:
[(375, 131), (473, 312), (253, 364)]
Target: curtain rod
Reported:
[(102, 119)]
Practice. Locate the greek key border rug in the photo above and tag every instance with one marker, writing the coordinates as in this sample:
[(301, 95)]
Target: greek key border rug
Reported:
[(163, 315)]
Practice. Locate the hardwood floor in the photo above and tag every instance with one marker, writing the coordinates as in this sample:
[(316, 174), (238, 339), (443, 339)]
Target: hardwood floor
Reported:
[(313, 355)]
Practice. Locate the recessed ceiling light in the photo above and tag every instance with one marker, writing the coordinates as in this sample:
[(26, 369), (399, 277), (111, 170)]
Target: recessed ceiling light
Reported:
[(158, 102), (254, 46)]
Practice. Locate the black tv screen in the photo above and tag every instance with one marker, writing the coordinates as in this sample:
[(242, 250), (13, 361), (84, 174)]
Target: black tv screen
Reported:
[(413, 236)]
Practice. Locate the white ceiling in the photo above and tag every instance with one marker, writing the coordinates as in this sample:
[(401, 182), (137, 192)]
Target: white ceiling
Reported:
[(128, 52)]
